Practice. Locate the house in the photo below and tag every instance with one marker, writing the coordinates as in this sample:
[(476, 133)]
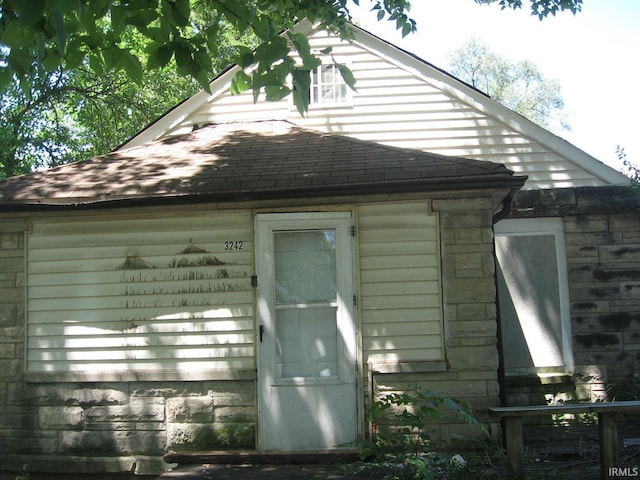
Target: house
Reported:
[(240, 277)]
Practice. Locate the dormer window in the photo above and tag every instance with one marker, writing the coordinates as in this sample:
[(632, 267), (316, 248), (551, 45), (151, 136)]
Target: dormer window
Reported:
[(328, 86)]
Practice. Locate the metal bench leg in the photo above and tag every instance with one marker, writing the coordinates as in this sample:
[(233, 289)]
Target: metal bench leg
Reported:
[(608, 442), (515, 446)]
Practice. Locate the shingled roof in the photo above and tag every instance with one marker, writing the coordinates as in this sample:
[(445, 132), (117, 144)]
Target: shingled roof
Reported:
[(248, 161)]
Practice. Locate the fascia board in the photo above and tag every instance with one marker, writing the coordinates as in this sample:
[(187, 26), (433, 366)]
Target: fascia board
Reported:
[(219, 85), (177, 115), (489, 107)]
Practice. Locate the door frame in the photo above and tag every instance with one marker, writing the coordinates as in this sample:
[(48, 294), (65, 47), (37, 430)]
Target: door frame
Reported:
[(346, 264)]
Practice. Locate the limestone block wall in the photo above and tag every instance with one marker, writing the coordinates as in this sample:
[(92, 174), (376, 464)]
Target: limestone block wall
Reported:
[(602, 234), (13, 417), (143, 418), (470, 370)]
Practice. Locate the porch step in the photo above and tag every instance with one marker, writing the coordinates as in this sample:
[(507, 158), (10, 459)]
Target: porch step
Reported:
[(241, 457)]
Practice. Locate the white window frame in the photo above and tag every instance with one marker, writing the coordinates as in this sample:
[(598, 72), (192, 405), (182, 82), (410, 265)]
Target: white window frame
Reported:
[(317, 86), (548, 226)]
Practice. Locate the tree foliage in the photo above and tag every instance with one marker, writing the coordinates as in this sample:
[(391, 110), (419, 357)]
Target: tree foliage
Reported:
[(630, 169), (519, 85), (67, 34), (70, 115), (540, 8)]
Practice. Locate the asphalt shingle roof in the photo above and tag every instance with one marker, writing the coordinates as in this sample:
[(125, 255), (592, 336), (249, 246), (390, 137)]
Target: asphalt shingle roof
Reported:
[(249, 161)]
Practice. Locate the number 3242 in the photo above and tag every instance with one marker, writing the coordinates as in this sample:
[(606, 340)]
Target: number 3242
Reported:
[(234, 245)]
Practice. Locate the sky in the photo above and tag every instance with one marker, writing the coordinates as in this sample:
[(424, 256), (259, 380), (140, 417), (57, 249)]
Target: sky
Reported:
[(595, 55)]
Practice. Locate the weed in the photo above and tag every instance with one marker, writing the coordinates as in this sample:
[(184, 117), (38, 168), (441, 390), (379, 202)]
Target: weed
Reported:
[(407, 451), (24, 475)]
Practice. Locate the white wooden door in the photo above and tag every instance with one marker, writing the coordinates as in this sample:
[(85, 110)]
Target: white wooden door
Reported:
[(306, 331)]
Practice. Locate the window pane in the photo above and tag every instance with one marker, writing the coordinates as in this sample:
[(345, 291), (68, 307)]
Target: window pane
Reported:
[(305, 266), (306, 342), (529, 295), (327, 85)]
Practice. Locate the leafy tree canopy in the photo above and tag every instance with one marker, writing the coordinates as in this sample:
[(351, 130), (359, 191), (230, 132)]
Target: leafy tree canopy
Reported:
[(540, 8), (68, 34), (71, 115), (519, 85)]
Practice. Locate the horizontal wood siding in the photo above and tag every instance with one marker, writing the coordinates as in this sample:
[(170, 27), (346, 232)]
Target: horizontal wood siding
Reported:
[(400, 283), (170, 293), (405, 108)]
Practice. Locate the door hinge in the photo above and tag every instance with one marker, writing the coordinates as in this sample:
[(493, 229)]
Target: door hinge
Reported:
[(352, 230), (355, 300), (254, 280)]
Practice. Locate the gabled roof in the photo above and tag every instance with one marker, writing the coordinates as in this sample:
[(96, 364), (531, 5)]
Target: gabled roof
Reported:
[(248, 161), (572, 158)]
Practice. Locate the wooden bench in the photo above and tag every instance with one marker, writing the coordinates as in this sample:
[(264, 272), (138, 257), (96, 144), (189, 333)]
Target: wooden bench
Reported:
[(607, 427)]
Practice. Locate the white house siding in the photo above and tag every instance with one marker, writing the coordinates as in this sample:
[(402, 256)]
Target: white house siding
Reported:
[(412, 105), (141, 294), (400, 283), (174, 294)]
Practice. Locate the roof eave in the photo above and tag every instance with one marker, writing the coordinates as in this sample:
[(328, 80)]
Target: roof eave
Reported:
[(448, 184)]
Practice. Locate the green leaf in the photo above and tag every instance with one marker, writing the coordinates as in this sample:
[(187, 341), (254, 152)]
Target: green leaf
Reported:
[(159, 56), (180, 11), (142, 19), (118, 16), (75, 54), (96, 63), (406, 30), (203, 60), (202, 78), (301, 84), (276, 93), (5, 78), (52, 59), (99, 7), (20, 61), (347, 76), (183, 58), (301, 43), (211, 34), (131, 66), (245, 56), (88, 21), (240, 83), (269, 52), (30, 12), (256, 85), (61, 32)]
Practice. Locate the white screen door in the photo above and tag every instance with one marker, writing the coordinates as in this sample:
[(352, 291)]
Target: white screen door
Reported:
[(306, 332)]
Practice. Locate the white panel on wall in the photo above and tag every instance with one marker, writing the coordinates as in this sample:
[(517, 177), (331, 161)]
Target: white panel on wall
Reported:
[(143, 294), (400, 283)]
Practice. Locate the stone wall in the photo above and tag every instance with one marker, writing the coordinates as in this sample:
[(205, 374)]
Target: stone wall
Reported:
[(470, 370), (140, 420), (602, 233)]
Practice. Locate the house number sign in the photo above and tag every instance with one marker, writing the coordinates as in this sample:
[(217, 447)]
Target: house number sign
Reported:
[(234, 245)]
